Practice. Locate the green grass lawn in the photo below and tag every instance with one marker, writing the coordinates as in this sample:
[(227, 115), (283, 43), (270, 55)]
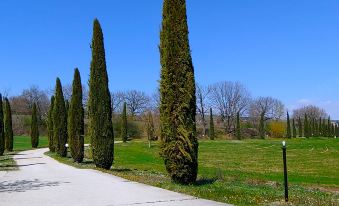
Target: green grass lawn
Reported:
[(248, 172), (20, 143)]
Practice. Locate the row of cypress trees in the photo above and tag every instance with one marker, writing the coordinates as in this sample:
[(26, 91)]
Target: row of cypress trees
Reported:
[(311, 127), (6, 131)]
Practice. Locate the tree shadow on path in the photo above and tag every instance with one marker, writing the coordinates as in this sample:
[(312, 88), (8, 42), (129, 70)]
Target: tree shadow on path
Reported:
[(26, 185)]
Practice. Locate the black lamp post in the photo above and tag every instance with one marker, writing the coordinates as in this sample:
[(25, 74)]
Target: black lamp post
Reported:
[(285, 170)]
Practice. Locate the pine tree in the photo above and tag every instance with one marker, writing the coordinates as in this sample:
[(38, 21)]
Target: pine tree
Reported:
[(288, 126), (178, 101), (211, 131), (262, 126), (300, 127), (150, 128), (2, 131), (34, 128), (8, 127), (50, 126), (306, 127), (59, 121), (238, 127), (123, 130), (99, 104), (76, 120), (294, 129)]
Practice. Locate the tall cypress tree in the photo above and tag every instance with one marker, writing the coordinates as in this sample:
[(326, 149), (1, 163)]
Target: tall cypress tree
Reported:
[(76, 120), (178, 100), (211, 131), (238, 127), (320, 128), (306, 127), (67, 113), (2, 131), (294, 129), (123, 130), (262, 126), (59, 121), (150, 128), (34, 128), (300, 127), (99, 104), (328, 127), (8, 126), (288, 126), (50, 126)]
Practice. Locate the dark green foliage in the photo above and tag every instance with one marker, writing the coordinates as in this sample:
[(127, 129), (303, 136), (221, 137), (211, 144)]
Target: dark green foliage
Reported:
[(177, 90), (99, 104), (34, 128), (300, 127), (211, 131), (59, 121), (294, 129), (67, 110), (328, 131), (150, 128), (50, 126), (123, 130), (76, 120), (8, 127), (306, 127), (262, 126), (238, 126), (2, 131), (288, 127), (320, 127)]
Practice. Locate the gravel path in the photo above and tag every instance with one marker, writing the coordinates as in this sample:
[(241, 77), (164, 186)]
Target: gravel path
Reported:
[(42, 180)]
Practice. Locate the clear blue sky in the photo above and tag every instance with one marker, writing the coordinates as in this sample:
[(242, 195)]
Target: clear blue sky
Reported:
[(288, 49)]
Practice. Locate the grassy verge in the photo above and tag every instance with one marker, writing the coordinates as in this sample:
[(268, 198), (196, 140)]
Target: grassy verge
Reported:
[(20, 143), (240, 172)]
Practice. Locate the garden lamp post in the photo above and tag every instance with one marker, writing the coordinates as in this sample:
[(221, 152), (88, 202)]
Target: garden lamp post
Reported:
[(285, 170)]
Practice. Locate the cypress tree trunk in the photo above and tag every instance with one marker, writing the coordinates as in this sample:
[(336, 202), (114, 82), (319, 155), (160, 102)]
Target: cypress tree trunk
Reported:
[(288, 126), (262, 126), (2, 131), (99, 104), (212, 134), (123, 130), (238, 132), (300, 127), (294, 129), (8, 126), (76, 120), (178, 101), (34, 128), (50, 126), (59, 121)]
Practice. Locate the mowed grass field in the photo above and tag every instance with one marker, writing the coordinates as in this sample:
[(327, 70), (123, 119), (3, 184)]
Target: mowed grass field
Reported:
[(20, 143), (248, 172)]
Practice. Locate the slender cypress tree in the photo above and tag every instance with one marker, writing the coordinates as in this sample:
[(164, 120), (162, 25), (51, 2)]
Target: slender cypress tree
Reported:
[(76, 120), (178, 101), (238, 132), (2, 131), (328, 127), (211, 131), (294, 129), (150, 128), (99, 104), (123, 130), (67, 114), (8, 126), (306, 127), (320, 128), (59, 121), (288, 126), (50, 126), (34, 128), (300, 127), (262, 126)]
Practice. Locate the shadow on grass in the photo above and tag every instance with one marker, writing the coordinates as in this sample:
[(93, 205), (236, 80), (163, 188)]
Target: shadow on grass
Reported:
[(121, 170), (205, 181), (26, 165), (26, 185)]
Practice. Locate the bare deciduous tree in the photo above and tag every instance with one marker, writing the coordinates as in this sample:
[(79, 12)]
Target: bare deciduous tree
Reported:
[(202, 93), (312, 112), (35, 95), (269, 107), (137, 101), (118, 99), (228, 98)]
